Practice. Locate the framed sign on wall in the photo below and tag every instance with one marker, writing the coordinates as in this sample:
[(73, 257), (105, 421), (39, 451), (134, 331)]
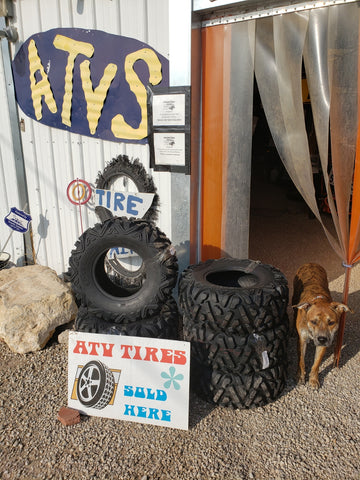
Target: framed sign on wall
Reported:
[(169, 138)]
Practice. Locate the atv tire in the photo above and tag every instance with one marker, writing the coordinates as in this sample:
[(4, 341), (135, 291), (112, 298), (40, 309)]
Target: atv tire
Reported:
[(239, 355), (92, 285), (237, 297), (122, 170), (237, 391), (163, 325)]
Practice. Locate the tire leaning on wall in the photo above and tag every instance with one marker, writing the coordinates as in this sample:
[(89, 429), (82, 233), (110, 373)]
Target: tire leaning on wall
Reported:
[(234, 314), (123, 170), (94, 288)]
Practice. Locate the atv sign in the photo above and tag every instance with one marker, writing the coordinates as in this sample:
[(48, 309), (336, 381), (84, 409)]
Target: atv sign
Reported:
[(136, 379), (88, 82)]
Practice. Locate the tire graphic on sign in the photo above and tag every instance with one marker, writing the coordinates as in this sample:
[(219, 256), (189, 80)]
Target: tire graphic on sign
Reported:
[(95, 386)]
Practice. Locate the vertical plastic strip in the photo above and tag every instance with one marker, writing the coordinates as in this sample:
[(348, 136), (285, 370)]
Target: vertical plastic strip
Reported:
[(354, 240), (237, 175), (226, 94), (278, 61), (342, 57), (316, 67), (348, 38)]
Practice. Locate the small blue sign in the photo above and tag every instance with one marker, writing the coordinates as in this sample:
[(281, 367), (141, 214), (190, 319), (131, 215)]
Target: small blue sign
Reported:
[(124, 204), (18, 220)]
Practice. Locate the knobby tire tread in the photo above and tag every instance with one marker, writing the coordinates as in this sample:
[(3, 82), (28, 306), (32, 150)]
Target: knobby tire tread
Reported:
[(92, 287)]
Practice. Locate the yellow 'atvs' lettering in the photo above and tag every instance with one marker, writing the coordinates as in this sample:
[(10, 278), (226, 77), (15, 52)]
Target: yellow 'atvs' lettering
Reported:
[(42, 87), (119, 127), (95, 98), (74, 48)]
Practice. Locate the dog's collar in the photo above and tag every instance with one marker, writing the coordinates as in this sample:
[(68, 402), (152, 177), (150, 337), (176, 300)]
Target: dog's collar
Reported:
[(317, 297)]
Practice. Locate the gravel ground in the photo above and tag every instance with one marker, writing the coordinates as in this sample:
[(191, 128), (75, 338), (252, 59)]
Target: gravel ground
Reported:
[(305, 434)]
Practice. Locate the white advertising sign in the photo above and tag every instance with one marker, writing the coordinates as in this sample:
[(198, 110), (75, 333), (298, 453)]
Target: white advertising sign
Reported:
[(144, 380), (124, 204), (169, 148), (169, 109)]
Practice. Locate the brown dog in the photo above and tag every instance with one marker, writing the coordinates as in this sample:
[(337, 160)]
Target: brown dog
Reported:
[(317, 316)]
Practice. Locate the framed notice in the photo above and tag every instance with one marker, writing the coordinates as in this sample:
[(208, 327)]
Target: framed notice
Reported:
[(169, 110), (170, 148), (135, 379), (170, 129)]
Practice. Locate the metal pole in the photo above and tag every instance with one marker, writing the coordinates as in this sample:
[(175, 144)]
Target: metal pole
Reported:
[(15, 133)]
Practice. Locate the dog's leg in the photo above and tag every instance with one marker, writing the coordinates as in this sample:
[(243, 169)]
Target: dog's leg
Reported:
[(314, 373), (301, 365)]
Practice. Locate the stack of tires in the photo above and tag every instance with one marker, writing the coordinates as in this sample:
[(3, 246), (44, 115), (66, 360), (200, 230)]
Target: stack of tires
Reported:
[(114, 299), (234, 315)]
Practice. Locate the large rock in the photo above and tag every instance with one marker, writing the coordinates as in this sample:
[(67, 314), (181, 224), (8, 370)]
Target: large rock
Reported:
[(33, 302)]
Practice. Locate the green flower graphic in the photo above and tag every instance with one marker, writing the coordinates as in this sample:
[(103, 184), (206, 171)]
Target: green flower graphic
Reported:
[(172, 378)]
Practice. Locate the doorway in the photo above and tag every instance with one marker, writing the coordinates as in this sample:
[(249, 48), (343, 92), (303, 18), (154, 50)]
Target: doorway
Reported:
[(282, 229), (275, 49)]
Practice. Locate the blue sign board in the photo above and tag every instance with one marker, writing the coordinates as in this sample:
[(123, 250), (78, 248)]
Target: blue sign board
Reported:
[(88, 82), (18, 220)]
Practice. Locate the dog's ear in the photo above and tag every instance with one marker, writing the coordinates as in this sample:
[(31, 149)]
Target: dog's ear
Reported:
[(340, 307), (303, 306)]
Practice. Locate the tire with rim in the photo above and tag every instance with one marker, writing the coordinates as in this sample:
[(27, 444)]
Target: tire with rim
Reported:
[(237, 297), (95, 386), (123, 174), (163, 325), (94, 288), (129, 277)]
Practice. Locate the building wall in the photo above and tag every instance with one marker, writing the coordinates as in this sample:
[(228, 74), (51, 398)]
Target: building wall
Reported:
[(55, 157)]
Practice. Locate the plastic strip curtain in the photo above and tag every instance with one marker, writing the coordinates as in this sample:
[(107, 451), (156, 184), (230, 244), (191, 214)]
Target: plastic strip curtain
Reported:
[(328, 39), (278, 63)]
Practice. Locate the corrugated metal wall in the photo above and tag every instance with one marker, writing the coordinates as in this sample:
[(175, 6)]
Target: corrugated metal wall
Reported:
[(55, 157), (9, 195)]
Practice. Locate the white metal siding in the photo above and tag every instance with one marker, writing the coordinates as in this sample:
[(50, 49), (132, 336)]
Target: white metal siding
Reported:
[(54, 157), (9, 195)]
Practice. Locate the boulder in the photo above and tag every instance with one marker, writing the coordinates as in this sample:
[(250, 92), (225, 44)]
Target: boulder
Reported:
[(33, 302), (63, 337)]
